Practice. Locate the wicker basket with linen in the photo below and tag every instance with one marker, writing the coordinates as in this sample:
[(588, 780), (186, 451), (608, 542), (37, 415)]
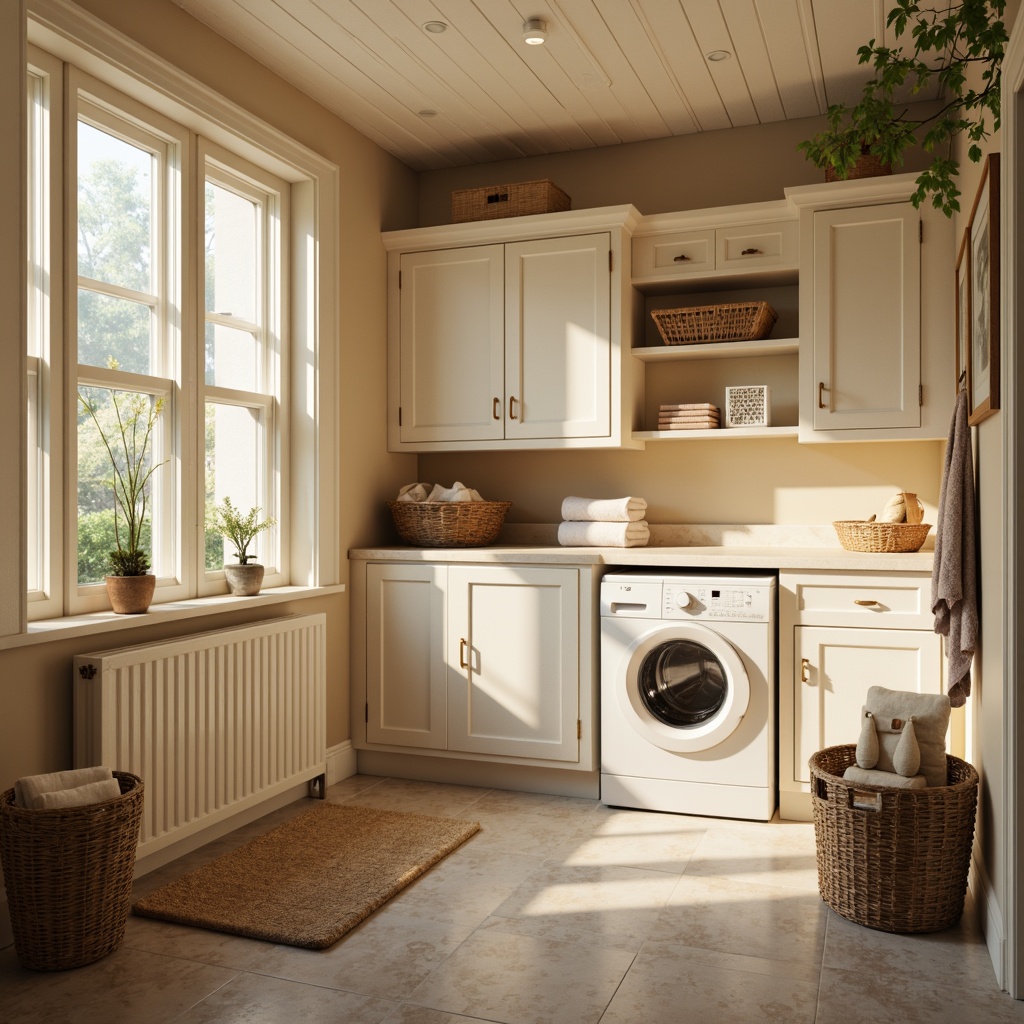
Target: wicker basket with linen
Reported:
[(893, 859), (68, 874), (448, 524), (860, 535), (496, 201), (726, 321)]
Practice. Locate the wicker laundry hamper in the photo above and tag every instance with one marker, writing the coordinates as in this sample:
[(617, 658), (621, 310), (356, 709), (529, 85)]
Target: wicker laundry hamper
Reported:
[(449, 524), (893, 859), (68, 874)]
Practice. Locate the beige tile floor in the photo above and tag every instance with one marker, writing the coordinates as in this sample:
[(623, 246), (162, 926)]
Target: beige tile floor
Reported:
[(559, 911)]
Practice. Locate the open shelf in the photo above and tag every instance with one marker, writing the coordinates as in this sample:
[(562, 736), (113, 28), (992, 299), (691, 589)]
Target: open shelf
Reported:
[(718, 350), (718, 434)]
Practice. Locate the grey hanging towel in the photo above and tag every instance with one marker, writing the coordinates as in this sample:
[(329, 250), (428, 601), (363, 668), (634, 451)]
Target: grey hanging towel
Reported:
[(954, 574)]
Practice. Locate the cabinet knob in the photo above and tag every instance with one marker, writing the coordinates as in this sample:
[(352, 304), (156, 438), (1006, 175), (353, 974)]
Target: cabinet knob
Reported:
[(496, 408), (821, 388), (805, 670), (751, 252), (681, 258), (512, 402), (462, 653)]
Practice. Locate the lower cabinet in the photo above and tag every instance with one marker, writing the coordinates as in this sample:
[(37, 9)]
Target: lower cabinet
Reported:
[(839, 635), (492, 662)]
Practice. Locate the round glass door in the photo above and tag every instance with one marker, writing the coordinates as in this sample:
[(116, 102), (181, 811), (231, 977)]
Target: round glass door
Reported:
[(683, 687)]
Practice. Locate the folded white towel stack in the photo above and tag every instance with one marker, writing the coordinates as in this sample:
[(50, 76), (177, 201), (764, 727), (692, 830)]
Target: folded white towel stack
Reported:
[(29, 791), (604, 510), (603, 523), (603, 535), (425, 492), (80, 796)]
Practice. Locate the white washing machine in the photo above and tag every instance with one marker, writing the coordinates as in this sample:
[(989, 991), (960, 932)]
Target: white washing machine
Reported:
[(688, 693)]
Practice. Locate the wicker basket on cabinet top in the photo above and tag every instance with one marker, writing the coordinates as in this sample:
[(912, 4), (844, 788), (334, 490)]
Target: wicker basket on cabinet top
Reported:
[(448, 524), (727, 321), (495, 201)]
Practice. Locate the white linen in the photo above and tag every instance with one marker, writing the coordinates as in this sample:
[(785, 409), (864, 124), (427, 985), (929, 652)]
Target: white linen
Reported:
[(413, 492), (80, 796), (26, 789), (457, 492), (603, 510), (603, 534)]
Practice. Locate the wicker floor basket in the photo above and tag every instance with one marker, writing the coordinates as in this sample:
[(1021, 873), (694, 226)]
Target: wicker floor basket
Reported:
[(893, 859), (859, 535), (68, 874), (727, 321), (448, 524)]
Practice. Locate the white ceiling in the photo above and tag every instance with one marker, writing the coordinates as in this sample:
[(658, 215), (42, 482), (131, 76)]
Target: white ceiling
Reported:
[(611, 71)]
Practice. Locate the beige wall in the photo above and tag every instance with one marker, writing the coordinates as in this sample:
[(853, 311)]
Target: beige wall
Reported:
[(375, 191), (724, 481)]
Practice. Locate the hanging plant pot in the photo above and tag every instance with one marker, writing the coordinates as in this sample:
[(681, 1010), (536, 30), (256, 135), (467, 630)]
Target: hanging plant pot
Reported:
[(244, 580), (867, 166), (131, 595)]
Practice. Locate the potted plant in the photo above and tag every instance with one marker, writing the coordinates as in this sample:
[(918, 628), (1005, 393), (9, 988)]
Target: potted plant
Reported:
[(246, 577), (130, 585), (945, 44)]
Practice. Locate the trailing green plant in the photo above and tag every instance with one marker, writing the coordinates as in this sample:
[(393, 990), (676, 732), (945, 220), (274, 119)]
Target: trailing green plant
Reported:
[(128, 448), (239, 529), (945, 43)]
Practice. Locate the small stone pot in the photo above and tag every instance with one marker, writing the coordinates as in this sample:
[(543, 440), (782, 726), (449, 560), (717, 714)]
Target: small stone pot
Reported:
[(244, 580), (131, 595)]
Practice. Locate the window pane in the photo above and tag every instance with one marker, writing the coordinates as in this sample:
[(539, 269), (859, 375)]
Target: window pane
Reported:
[(231, 254), (102, 522), (34, 486), (114, 331), (115, 210), (231, 358), (233, 447)]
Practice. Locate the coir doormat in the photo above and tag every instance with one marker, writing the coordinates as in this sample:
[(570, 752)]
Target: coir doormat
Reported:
[(309, 881)]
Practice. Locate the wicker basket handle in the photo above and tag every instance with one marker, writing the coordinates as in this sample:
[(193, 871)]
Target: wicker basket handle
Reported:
[(864, 799)]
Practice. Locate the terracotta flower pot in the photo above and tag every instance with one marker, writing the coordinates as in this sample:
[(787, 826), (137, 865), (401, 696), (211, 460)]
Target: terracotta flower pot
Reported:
[(244, 580), (131, 595)]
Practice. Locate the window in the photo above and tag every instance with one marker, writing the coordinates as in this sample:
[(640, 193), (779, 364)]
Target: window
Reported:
[(190, 262)]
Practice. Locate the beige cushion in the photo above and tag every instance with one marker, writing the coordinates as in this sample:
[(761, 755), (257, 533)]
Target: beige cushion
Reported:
[(891, 711), (873, 777)]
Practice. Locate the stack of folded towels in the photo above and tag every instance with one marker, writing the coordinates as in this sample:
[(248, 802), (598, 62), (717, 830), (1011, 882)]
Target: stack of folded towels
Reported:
[(689, 416), (424, 492), (75, 788), (603, 523)]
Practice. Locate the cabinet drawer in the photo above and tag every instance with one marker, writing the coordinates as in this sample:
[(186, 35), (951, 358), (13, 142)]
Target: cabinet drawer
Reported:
[(673, 255), (757, 245), (882, 600)]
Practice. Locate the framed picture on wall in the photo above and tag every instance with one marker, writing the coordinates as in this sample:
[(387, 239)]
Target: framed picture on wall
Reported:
[(963, 316), (982, 241)]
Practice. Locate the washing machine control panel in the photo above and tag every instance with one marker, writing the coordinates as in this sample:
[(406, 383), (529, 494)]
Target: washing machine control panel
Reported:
[(714, 601)]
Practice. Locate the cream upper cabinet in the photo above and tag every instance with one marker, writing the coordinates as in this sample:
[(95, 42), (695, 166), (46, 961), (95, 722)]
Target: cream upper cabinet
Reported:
[(876, 313), (521, 341)]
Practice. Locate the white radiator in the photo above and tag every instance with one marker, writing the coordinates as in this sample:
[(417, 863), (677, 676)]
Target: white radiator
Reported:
[(212, 723)]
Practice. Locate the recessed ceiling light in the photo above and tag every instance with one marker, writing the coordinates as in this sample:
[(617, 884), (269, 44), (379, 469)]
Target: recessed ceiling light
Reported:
[(533, 32), (437, 27), (717, 55)]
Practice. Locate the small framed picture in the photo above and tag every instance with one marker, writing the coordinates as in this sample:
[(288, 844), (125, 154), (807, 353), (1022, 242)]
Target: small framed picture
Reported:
[(982, 241)]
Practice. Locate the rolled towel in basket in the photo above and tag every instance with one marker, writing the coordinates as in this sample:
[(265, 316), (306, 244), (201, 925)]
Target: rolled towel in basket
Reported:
[(80, 796), (603, 510), (457, 492), (28, 788), (413, 492), (603, 534)]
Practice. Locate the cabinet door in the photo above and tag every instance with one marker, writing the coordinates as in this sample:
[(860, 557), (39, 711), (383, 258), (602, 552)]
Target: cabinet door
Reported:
[(866, 324), (558, 337), (452, 344), (513, 653), (406, 682), (834, 668)]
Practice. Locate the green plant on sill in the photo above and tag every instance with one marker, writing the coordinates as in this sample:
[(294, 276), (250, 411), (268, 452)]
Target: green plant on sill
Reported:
[(136, 416), (945, 44), (239, 529)]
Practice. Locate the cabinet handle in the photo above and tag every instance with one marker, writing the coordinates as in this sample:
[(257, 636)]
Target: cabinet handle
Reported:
[(805, 670), (462, 653), (496, 408), (867, 604), (821, 387), (681, 258), (512, 402), (751, 252)]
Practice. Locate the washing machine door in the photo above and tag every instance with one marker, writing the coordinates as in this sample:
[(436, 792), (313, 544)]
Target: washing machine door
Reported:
[(683, 687)]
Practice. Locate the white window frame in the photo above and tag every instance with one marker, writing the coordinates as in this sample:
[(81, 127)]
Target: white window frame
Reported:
[(312, 499)]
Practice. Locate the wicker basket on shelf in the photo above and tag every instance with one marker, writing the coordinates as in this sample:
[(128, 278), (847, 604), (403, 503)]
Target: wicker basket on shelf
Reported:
[(68, 874), (892, 859), (727, 321), (448, 524), (497, 201), (861, 535)]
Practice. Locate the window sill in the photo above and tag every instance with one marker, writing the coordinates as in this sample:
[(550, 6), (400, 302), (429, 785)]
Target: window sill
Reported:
[(46, 630)]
